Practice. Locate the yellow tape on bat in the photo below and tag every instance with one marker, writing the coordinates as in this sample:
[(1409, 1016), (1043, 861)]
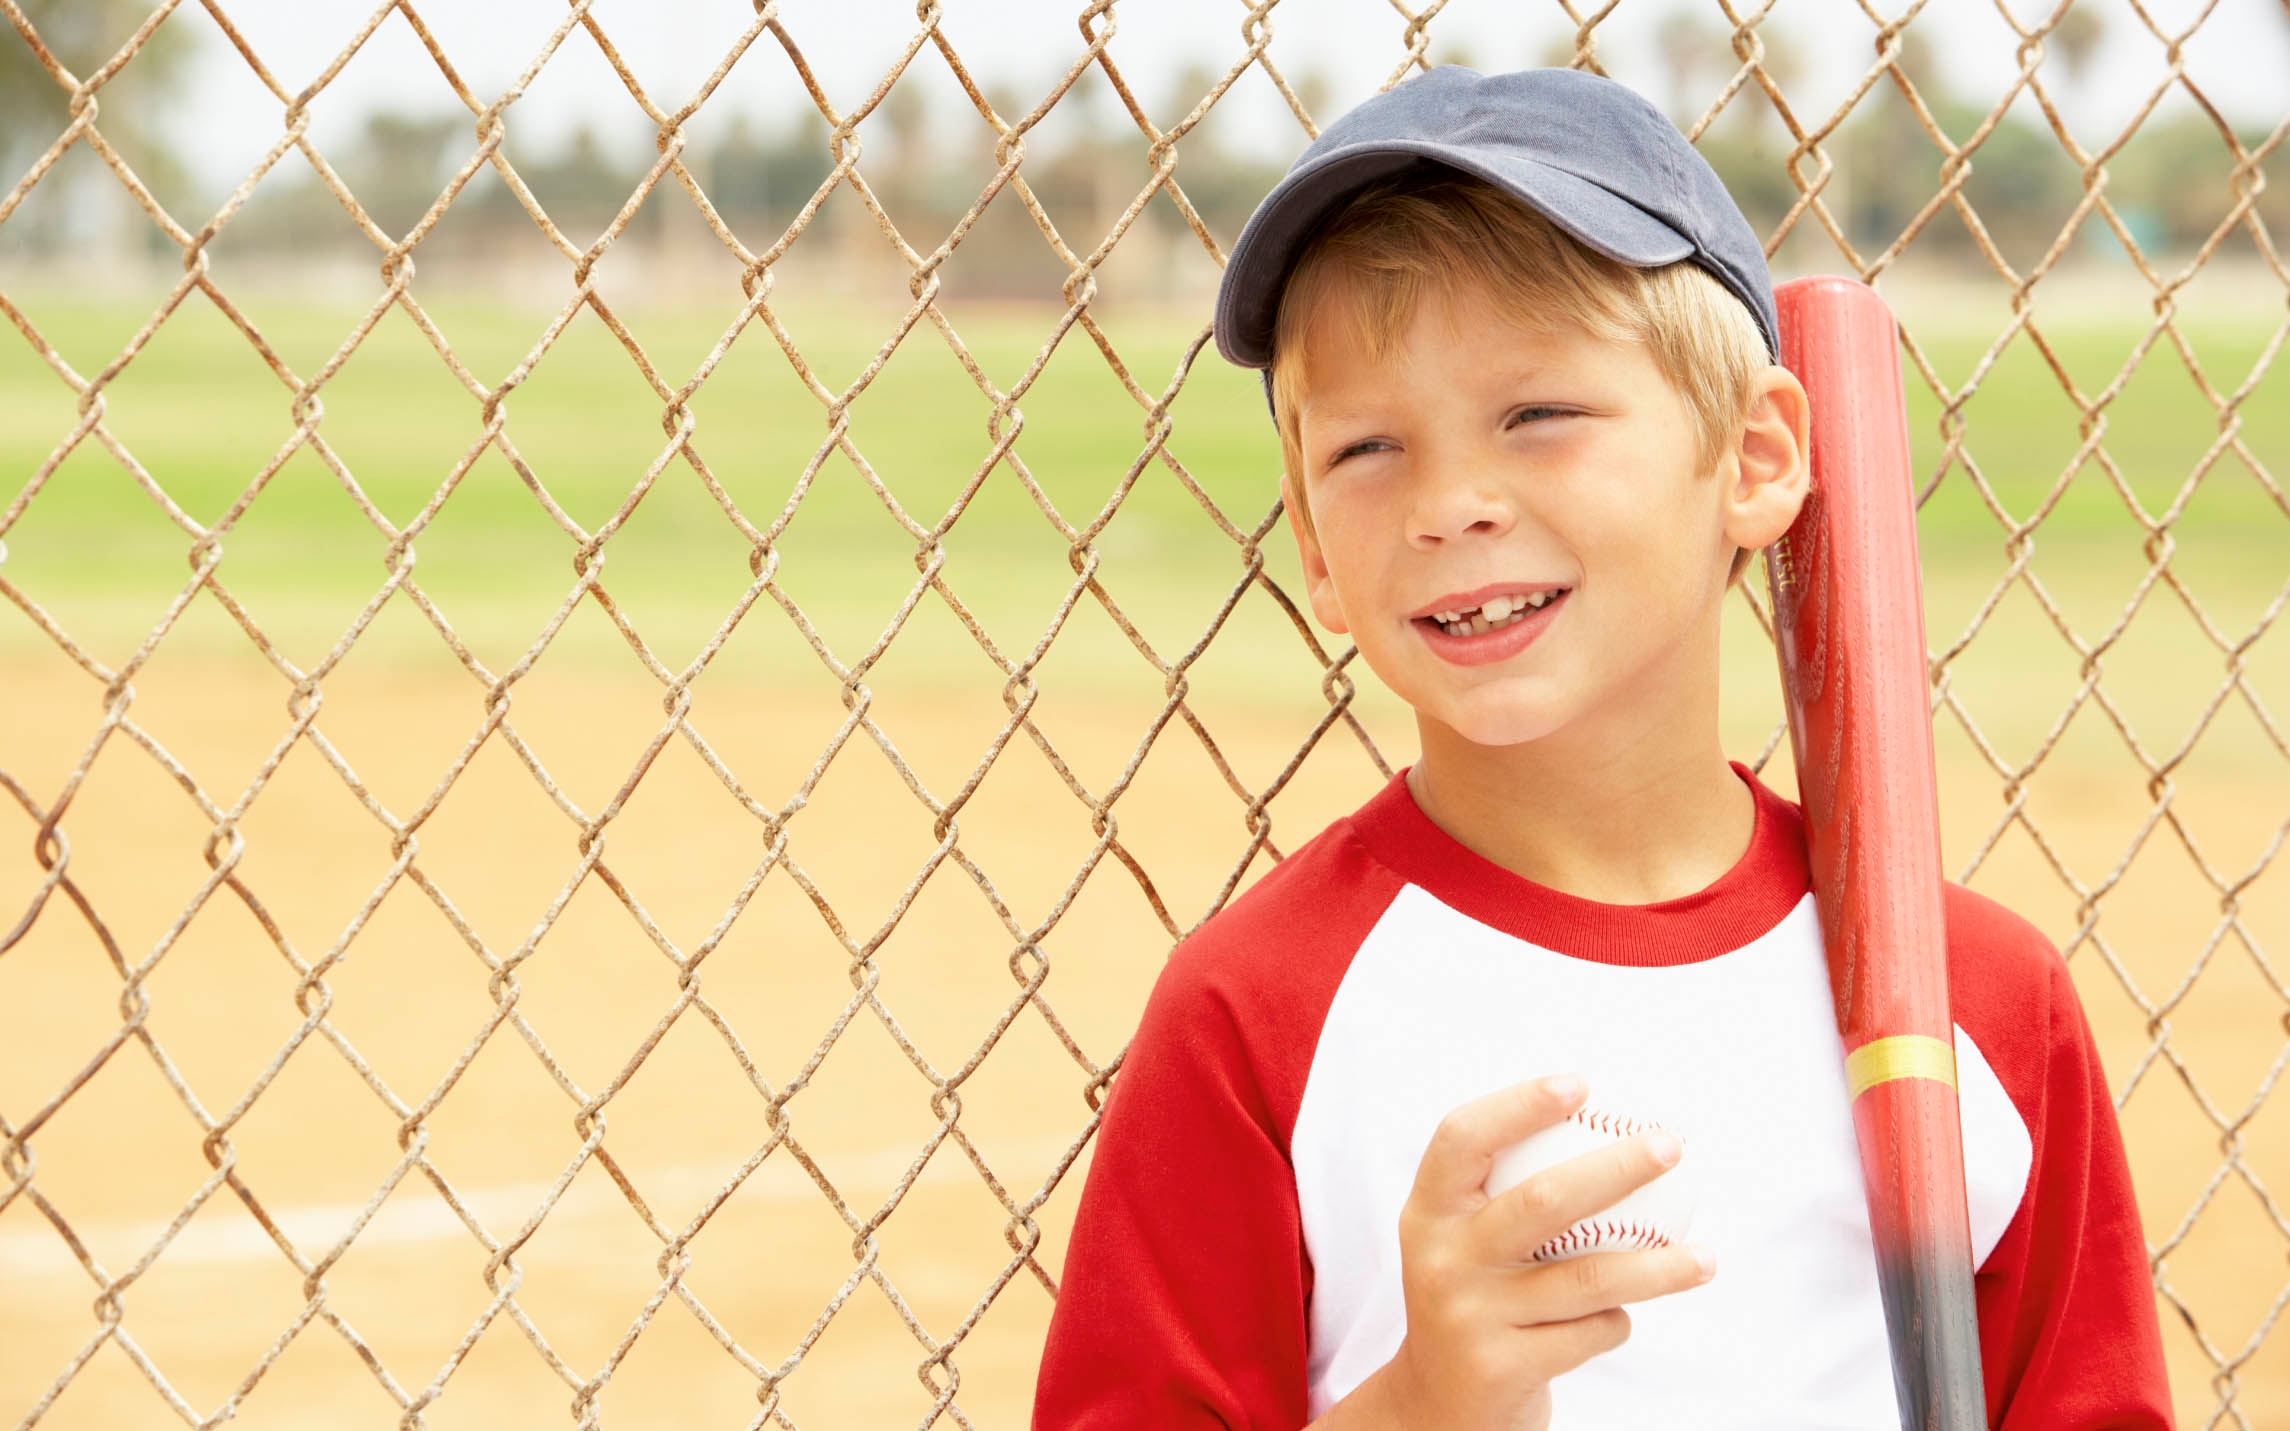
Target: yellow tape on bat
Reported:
[(1902, 1056)]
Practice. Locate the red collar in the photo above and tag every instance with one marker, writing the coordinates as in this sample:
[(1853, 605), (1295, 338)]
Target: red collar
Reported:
[(1768, 881)]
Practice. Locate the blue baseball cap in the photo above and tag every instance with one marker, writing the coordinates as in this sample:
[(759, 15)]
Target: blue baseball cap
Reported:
[(1588, 153)]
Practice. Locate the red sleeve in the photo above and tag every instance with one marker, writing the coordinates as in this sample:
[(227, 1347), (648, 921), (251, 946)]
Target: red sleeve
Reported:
[(1183, 1299), (2068, 1335)]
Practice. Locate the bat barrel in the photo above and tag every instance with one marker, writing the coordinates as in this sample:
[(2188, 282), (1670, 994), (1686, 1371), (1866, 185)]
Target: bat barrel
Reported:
[(1848, 611)]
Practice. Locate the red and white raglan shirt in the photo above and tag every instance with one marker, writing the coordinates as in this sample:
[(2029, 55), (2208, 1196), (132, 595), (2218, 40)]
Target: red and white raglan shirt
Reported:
[(1235, 1257)]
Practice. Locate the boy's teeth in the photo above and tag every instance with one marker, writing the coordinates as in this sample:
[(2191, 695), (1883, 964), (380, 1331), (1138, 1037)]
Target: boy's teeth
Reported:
[(1501, 611)]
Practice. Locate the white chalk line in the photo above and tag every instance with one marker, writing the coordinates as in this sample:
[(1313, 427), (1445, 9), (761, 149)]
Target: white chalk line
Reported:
[(413, 1215)]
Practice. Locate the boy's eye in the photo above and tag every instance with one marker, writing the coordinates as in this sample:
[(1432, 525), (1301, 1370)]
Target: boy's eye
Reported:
[(1369, 445), (1531, 412)]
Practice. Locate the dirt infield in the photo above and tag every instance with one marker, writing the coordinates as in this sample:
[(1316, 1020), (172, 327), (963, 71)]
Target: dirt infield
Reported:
[(122, 1158)]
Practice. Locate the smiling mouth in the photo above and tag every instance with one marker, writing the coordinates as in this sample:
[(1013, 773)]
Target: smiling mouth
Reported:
[(1506, 611)]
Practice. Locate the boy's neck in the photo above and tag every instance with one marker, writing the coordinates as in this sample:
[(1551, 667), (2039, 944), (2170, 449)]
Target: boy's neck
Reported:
[(1642, 822)]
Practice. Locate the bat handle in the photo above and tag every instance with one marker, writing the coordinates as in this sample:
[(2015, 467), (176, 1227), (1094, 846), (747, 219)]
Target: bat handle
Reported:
[(1919, 1289), (1924, 1262)]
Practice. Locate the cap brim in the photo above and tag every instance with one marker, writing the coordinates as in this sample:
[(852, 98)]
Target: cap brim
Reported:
[(1248, 296)]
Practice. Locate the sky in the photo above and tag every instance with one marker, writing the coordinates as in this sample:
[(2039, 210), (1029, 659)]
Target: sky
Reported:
[(2240, 56)]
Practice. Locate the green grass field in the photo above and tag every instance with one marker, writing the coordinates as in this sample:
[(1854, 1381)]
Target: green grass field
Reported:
[(202, 414)]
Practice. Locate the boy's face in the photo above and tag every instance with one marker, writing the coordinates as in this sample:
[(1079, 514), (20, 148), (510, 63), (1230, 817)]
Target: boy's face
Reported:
[(1482, 454)]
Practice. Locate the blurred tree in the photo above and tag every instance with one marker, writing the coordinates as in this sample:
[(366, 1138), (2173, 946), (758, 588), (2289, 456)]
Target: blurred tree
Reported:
[(1698, 60), (906, 110), (1194, 79), (1078, 184), (1784, 59), (395, 170), (1556, 51), (410, 145), (1203, 165), (1316, 92), (1746, 143), (901, 178), (2019, 181), (1690, 47), (131, 115), (2079, 35), (2022, 184), (581, 188), (2174, 182), (754, 179), (400, 164), (1915, 61), (1457, 52), (1750, 159), (736, 169)]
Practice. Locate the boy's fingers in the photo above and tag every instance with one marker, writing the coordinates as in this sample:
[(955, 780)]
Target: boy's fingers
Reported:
[(1462, 1149), (1582, 1286), (1560, 1347), (1513, 1225)]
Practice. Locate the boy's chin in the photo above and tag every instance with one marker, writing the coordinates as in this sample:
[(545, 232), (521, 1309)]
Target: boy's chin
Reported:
[(1500, 723)]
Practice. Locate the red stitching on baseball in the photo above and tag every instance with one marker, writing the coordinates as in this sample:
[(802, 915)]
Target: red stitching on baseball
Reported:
[(1615, 1125), (1593, 1231)]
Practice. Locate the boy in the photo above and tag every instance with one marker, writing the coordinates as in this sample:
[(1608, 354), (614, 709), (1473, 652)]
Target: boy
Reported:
[(1520, 347)]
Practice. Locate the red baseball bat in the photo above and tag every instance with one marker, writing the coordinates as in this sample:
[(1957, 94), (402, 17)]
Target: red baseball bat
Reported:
[(1848, 607)]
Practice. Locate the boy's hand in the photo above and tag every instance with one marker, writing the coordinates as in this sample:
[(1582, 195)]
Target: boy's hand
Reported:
[(1487, 1325)]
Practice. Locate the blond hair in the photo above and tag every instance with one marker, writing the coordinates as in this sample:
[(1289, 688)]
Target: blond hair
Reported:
[(1436, 229)]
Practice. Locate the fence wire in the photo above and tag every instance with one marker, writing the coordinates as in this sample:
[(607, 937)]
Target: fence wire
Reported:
[(1810, 168)]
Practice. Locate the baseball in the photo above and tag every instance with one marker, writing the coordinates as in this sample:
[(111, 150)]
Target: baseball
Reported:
[(1655, 1215)]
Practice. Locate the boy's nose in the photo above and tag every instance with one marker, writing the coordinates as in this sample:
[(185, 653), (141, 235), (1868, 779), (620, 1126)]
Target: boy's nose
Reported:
[(1459, 503)]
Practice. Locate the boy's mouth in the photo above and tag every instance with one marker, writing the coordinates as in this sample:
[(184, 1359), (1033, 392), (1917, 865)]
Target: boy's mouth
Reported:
[(1492, 616), (1469, 638)]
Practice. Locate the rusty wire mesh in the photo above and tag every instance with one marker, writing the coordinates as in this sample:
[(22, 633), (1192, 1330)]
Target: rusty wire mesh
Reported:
[(418, 1391)]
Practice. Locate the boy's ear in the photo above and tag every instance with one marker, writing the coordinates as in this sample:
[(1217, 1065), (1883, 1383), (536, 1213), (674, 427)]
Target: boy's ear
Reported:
[(1318, 589), (1772, 467)]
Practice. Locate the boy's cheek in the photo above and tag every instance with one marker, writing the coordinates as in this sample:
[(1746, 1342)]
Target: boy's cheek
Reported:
[(1321, 592), (1320, 586)]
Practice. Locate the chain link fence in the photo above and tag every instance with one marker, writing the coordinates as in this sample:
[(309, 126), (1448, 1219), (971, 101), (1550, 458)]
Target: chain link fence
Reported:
[(2229, 1359)]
